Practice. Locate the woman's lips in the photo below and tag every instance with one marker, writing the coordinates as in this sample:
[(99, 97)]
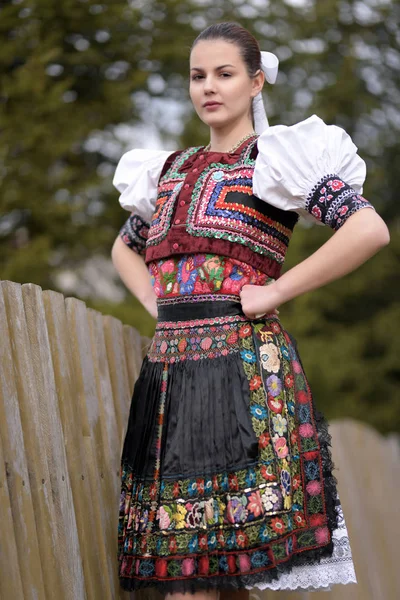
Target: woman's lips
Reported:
[(212, 105)]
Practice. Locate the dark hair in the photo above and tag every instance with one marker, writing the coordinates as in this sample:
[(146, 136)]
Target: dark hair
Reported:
[(235, 34)]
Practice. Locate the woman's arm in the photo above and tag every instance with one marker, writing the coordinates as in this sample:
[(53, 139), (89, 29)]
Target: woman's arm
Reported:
[(361, 236), (134, 273)]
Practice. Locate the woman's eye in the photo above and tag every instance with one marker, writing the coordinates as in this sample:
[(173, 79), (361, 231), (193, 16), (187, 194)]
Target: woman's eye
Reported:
[(223, 75)]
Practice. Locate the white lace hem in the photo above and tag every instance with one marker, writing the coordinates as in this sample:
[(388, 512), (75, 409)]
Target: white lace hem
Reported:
[(338, 568)]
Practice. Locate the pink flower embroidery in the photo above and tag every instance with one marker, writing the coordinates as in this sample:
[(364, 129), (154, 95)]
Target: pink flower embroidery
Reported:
[(296, 366), (336, 184), (244, 563), (313, 488), (187, 566), (206, 343), (306, 430), (322, 535), (316, 211), (255, 504), (164, 518), (281, 447), (168, 266)]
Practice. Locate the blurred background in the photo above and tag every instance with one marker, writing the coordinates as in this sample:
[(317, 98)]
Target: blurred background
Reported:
[(83, 81)]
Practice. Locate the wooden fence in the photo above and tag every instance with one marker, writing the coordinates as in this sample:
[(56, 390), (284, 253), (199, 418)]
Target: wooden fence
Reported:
[(66, 377)]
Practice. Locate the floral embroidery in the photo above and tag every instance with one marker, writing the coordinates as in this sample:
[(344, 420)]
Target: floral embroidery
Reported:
[(202, 274), (134, 233), (245, 520), (269, 354), (332, 201), (274, 385), (279, 424), (186, 341)]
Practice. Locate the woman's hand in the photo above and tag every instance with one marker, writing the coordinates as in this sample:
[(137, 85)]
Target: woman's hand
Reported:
[(258, 300)]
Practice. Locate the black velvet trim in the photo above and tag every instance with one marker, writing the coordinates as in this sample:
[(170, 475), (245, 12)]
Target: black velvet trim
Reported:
[(332, 201), (134, 233)]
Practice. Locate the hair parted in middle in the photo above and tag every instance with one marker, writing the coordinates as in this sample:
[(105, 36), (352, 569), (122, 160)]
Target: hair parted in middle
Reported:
[(235, 34)]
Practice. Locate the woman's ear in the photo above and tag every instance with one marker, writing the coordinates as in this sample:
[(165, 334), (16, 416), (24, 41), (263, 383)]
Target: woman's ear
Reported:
[(258, 83)]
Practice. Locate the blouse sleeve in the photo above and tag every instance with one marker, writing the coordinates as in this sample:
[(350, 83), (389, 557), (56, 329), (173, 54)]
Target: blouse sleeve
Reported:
[(311, 168), (136, 177)]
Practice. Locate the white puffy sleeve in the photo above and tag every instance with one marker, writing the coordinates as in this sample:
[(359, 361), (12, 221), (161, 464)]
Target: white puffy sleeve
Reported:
[(311, 168), (136, 177)]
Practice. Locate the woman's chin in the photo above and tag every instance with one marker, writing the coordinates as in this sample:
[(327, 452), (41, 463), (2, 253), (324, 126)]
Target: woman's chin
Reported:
[(216, 122)]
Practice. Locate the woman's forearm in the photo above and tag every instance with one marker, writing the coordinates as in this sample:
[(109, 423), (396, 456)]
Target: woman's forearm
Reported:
[(356, 241), (134, 273), (363, 234)]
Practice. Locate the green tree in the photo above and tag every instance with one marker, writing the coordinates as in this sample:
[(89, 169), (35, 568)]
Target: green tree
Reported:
[(73, 73)]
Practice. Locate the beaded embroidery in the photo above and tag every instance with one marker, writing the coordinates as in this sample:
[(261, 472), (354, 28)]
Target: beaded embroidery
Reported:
[(332, 201)]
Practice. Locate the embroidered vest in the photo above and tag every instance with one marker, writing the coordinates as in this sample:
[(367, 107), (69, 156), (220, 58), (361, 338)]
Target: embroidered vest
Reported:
[(209, 207)]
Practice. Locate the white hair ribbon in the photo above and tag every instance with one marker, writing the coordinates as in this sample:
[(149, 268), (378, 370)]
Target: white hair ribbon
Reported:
[(269, 65)]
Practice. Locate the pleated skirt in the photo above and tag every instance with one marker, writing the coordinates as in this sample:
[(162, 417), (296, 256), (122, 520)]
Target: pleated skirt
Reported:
[(226, 471)]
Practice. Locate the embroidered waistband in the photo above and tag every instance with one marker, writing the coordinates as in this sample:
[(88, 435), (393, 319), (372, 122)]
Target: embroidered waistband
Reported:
[(194, 298)]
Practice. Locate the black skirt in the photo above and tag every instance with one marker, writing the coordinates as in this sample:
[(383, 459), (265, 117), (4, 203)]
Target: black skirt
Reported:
[(226, 473)]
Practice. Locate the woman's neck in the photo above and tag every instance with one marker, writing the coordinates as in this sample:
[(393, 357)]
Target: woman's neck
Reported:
[(223, 140)]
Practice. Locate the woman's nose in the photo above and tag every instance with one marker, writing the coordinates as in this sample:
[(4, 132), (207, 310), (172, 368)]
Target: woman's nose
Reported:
[(209, 85)]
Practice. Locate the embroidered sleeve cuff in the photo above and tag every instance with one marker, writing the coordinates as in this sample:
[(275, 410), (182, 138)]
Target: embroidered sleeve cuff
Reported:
[(333, 201), (134, 233)]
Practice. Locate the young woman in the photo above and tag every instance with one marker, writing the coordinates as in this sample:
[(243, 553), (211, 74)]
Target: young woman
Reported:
[(227, 478)]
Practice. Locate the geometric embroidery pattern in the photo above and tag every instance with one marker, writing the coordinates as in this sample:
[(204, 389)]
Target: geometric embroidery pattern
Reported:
[(224, 207), (169, 187)]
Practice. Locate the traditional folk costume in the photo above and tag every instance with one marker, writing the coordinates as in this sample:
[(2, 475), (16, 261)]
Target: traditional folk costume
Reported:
[(226, 469)]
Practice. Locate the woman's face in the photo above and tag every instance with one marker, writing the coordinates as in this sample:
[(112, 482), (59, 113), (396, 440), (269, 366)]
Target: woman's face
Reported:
[(220, 87)]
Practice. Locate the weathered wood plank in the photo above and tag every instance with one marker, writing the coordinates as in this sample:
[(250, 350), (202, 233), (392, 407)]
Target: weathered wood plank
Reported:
[(10, 576), (113, 330), (94, 439), (106, 402), (15, 466), (69, 395), (35, 451), (110, 475), (66, 549)]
